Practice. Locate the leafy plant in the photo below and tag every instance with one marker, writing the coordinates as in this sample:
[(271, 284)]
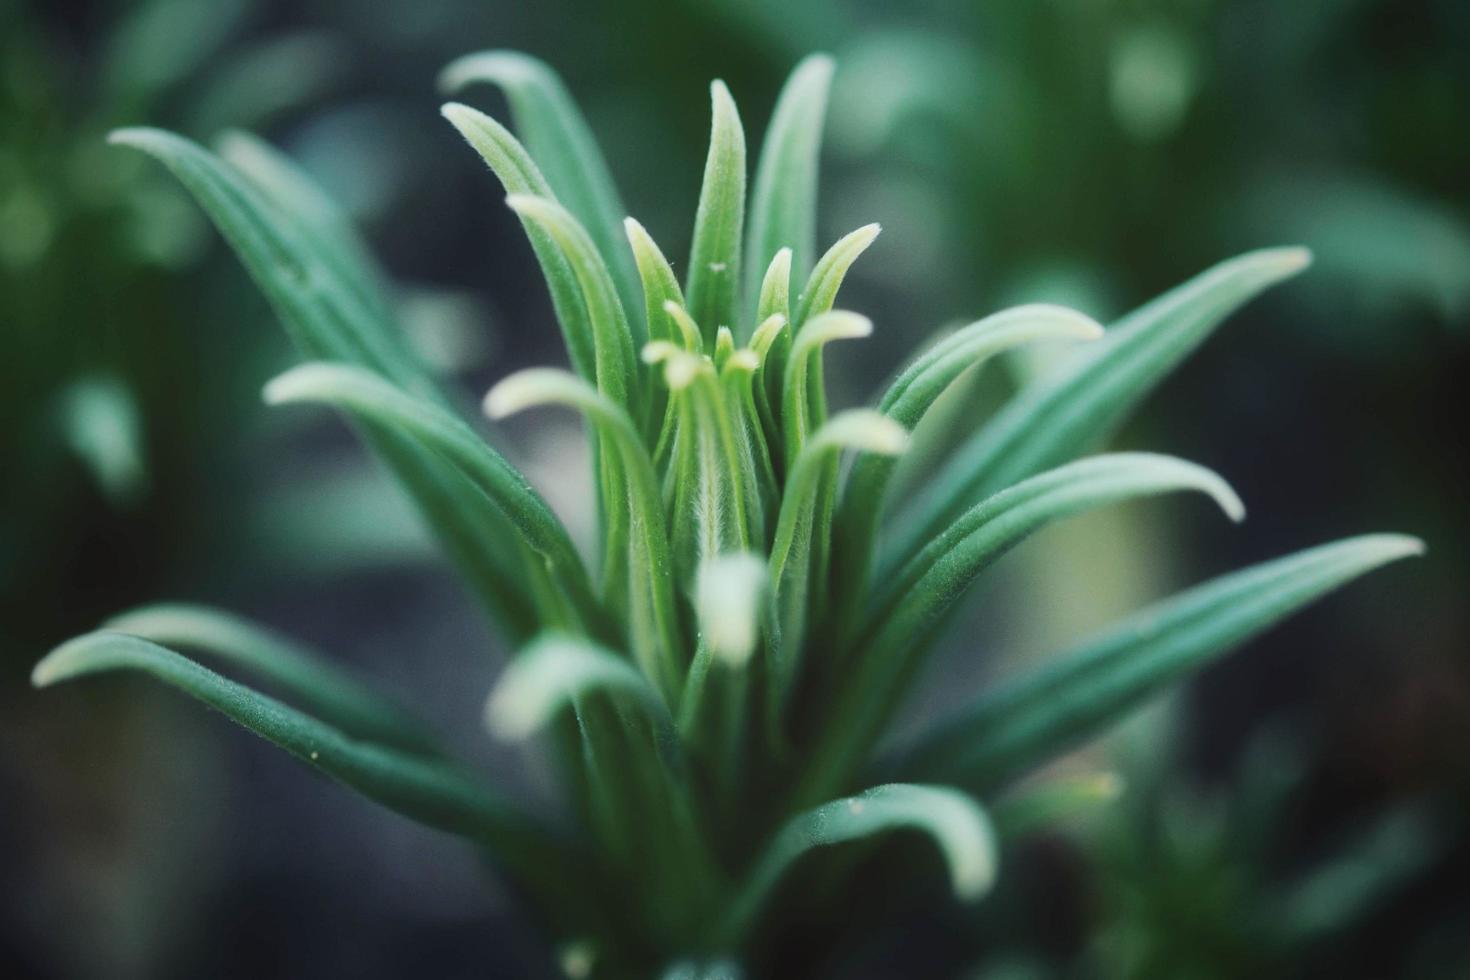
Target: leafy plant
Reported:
[(715, 682)]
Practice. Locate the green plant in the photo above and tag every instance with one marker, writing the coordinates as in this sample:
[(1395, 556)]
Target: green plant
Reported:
[(718, 680)]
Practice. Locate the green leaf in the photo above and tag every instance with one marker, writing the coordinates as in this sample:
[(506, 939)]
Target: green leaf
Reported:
[(101, 424), (1022, 724), (369, 397), (646, 591), (797, 554), (553, 675), (660, 287), (517, 172), (327, 319), (428, 791), (612, 341), (826, 278), (783, 204), (1055, 420), (714, 257), (710, 482), (908, 399), (798, 418), (563, 145), (728, 599), (913, 599), (305, 677), (953, 820), (329, 228)]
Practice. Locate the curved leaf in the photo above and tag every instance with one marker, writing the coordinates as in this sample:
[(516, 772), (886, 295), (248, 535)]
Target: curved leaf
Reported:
[(318, 686), (915, 598), (370, 397), (552, 675), (714, 257), (1058, 418), (612, 341), (798, 553), (798, 418), (326, 318), (783, 201), (955, 822), (1042, 714), (563, 145), (518, 174), (428, 791), (646, 593), (908, 399)]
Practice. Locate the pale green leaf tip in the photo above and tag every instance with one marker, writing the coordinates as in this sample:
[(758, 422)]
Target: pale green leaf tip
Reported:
[(137, 137), (727, 598), (457, 113), (527, 389), (296, 384), (63, 663), (500, 67)]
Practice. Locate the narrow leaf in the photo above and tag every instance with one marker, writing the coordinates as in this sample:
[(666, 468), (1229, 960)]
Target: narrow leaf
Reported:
[(908, 399), (915, 598), (361, 393), (320, 687), (519, 174), (327, 319), (332, 233), (955, 822), (562, 143), (612, 341), (431, 792), (798, 419), (1061, 417), (646, 589), (1044, 713), (796, 560), (783, 204), (714, 257), (553, 675), (826, 278)]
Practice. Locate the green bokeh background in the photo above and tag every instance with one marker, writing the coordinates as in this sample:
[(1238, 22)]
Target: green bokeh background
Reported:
[(1297, 811)]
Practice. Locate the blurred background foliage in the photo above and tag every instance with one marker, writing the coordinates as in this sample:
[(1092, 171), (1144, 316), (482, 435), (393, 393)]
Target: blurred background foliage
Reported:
[(1299, 810)]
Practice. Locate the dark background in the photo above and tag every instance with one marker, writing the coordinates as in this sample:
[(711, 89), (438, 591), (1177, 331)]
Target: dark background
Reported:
[(1093, 153)]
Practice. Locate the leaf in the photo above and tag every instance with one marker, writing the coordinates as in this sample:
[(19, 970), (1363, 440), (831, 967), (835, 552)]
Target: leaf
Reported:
[(821, 289), (714, 257), (326, 319), (728, 599), (1040, 715), (318, 686), (1061, 417), (367, 396), (955, 822), (554, 674), (908, 399), (329, 228), (517, 172), (797, 417), (612, 341), (913, 600), (660, 286), (101, 424), (710, 482), (647, 593), (796, 554), (430, 792), (563, 145), (783, 203)]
